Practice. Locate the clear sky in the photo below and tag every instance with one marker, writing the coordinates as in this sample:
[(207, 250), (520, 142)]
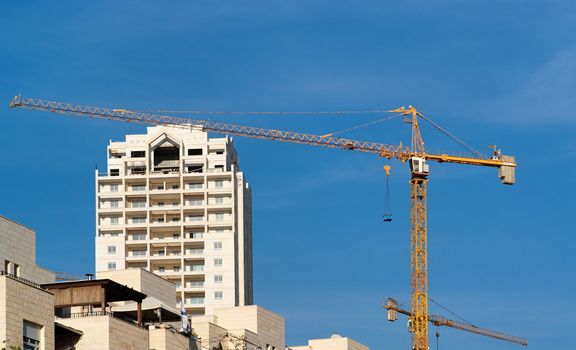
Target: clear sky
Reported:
[(492, 72)]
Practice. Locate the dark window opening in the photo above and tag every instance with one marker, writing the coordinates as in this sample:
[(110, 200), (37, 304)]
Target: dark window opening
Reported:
[(219, 152), (166, 157), (195, 152), (139, 171), (195, 168), (138, 154), (114, 172)]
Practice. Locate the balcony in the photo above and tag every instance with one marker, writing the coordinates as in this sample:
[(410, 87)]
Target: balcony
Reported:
[(194, 269), (165, 273), (194, 251), (136, 258), (194, 301), (194, 219)]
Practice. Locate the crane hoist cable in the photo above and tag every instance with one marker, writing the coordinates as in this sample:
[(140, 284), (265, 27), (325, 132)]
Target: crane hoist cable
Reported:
[(368, 111), (363, 125), (453, 137), (387, 201)]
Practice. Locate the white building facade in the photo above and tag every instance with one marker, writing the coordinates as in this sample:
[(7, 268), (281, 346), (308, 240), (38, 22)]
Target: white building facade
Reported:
[(174, 201)]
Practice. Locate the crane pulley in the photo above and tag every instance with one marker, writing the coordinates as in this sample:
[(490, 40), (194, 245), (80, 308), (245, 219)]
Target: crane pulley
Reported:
[(416, 155)]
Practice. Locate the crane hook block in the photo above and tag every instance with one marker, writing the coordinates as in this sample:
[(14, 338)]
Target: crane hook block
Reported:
[(387, 169)]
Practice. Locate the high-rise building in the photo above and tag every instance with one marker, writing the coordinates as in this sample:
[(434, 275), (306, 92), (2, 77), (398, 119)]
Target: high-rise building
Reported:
[(174, 201)]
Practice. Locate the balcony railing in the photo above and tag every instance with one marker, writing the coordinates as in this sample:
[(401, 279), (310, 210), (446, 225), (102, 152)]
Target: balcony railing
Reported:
[(20, 279)]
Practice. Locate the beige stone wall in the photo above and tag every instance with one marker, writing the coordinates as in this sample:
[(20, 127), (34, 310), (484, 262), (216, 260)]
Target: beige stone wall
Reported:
[(166, 339), (145, 282), (126, 336), (107, 333), (209, 333), (19, 302), (333, 343), (19, 247), (267, 325), (95, 329)]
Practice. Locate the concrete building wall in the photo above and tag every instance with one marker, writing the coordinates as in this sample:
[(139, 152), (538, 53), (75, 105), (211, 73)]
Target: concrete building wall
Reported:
[(167, 339), (18, 252), (335, 342), (143, 281), (107, 333), (96, 331), (20, 302), (209, 333), (268, 326), (126, 336)]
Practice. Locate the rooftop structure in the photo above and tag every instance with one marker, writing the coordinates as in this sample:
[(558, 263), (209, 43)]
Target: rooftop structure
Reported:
[(18, 252), (335, 342), (26, 311)]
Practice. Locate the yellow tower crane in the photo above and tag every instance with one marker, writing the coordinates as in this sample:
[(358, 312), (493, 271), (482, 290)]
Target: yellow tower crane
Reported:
[(415, 155)]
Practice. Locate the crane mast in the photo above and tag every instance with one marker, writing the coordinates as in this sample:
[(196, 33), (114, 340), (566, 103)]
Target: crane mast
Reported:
[(415, 155)]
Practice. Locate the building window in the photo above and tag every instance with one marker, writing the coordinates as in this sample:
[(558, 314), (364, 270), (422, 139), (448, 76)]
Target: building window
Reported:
[(114, 172), (219, 200), (138, 237), (195, 151), (31, 334), (195, 218), (218, 295), (218, 279), (16, 270), (217, 245), (7, 266), (196, 235), (111, 266), (113, 188), (114, 220), (161, 269), (113, 204), (111, 249), (139, 220), (194, 186), (219, 183), (218, 262), (195, 300), (139, 204), (195, 202), (176, 268), (196, 267), (138, 187), (178, 284), (138, 154), (139, 253), (219, 217)]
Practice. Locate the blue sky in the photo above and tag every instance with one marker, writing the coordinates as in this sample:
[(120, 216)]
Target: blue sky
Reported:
[(492, 72)]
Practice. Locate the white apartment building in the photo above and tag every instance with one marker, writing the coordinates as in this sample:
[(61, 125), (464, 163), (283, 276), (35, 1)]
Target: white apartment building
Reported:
[(174, 201)]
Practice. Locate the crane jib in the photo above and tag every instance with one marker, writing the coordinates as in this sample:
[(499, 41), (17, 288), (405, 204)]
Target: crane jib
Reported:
[(506, 166)]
